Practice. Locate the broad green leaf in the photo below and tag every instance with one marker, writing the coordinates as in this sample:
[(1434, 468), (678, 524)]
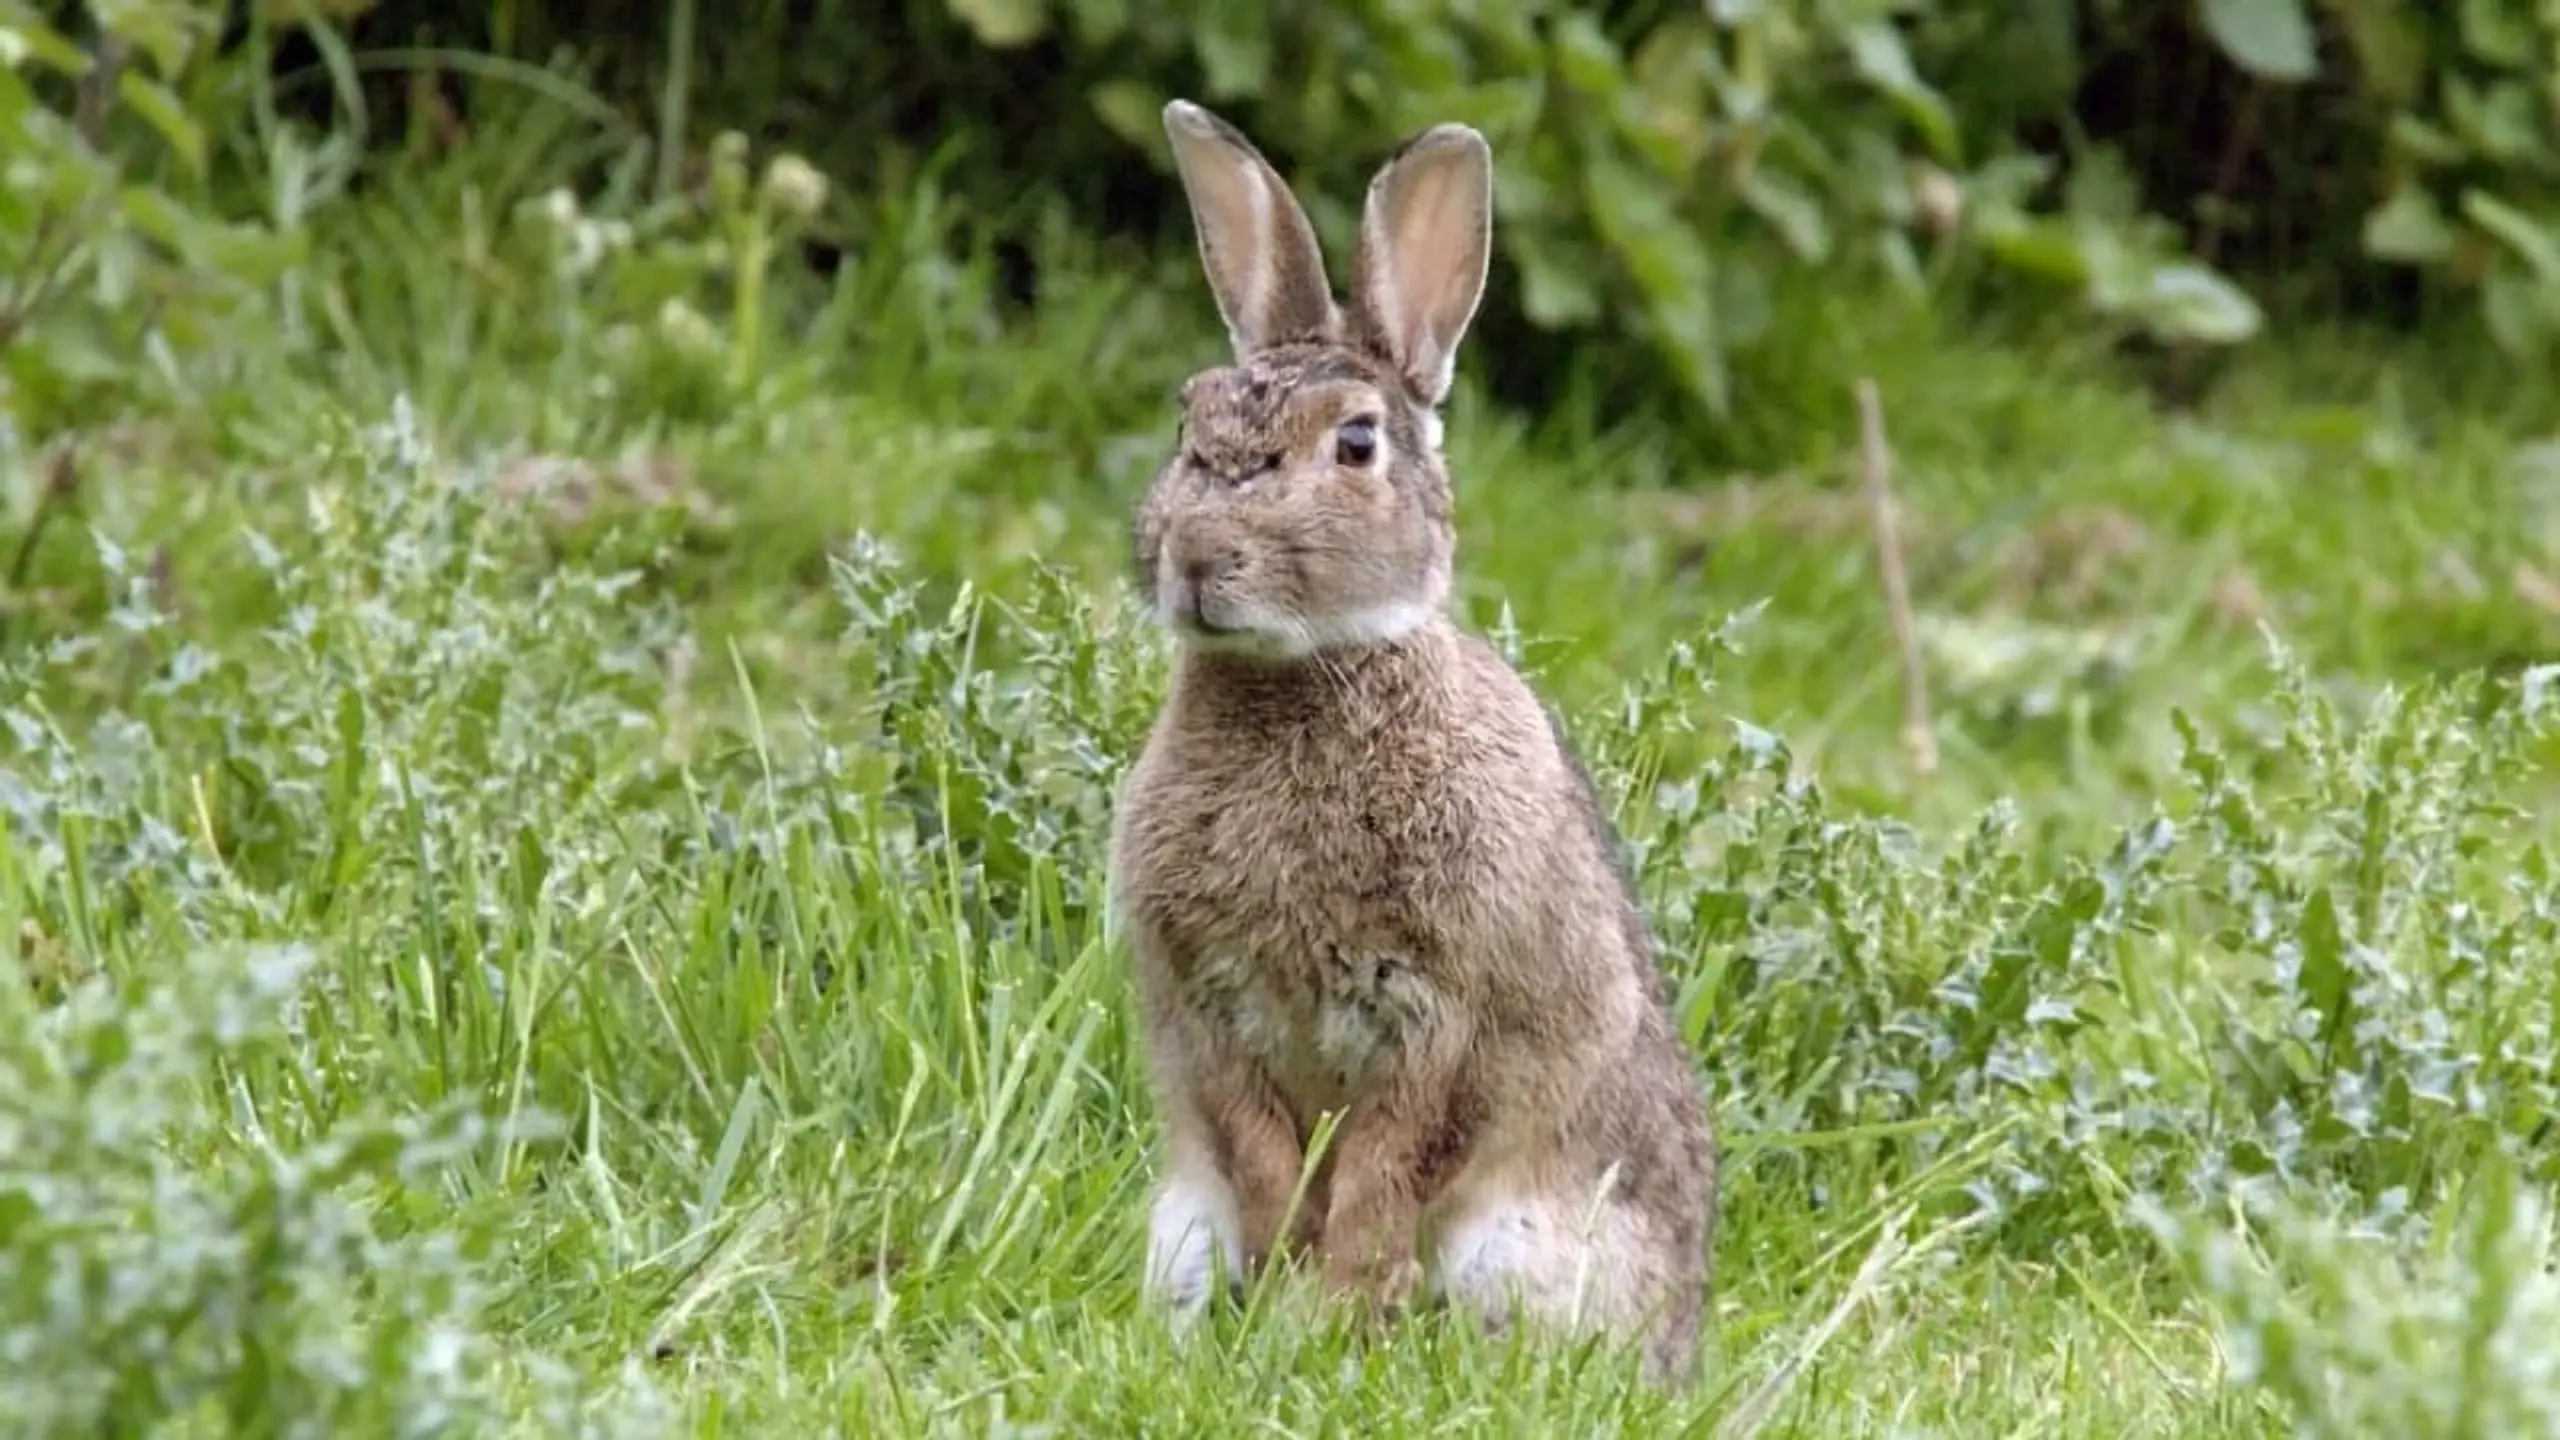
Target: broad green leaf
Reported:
[(1877, 176), (1501, 107), (1532, 185), (1877, 50), (164, 31), (286, 12), (2271, 39), (2006, 180), (166, 114), (245, 254), (1585, 57), (1633, 212), (1795, 213), (1661, 148), (2173, 299), (1132, 110), (1746, 308), (2501, 33), (116, 262), (150, 210), (1510, 39), (2502, 119), (2035, 246), (2516, 310), (1099, 22), (1665, 257), (227, 253), (1685, 324), (2119, 274), (2323, 984), (2409, 227), (76, 352), (67, 177), (1676, 57), (2530, 239), (2425, 142), (2191, 302), (1235, 50), (1004, 24), (1900, 261), (2389, 46), (24, 38), (1554, 292), (2102, 188)]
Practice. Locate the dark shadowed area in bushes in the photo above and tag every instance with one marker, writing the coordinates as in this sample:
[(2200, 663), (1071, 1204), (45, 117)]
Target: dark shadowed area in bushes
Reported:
[(2168, 175)]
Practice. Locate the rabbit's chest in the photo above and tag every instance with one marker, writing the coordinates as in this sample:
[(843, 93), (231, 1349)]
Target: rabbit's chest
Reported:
[(1320, 1024), (1313, 935)]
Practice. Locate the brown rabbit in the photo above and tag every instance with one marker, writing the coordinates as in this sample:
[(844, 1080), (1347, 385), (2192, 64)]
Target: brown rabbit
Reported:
[(1361, 871)]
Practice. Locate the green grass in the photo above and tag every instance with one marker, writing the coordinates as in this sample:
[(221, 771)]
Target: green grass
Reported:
[(490, 970)]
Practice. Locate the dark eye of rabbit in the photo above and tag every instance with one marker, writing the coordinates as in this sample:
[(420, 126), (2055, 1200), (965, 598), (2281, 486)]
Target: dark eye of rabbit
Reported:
[(1356, 443)]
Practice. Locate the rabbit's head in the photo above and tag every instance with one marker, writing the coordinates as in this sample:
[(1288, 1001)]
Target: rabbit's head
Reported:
[(1305, 506)]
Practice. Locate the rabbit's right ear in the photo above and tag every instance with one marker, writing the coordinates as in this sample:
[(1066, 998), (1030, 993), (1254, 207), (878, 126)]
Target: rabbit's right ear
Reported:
[(1255, 242)]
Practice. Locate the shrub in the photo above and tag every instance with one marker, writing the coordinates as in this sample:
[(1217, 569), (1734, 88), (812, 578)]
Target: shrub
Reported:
[(169, 1261), (2351, 1332), (1693, 176), (123, 272)]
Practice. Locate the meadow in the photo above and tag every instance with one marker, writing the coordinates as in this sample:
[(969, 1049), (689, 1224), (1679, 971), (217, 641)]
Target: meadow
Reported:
[(555, 852)]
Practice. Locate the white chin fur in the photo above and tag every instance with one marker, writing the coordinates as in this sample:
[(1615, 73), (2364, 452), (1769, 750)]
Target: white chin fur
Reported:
[(1370, 625)]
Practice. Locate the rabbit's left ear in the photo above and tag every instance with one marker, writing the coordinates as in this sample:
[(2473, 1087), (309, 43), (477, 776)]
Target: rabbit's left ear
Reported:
[(1255, 242), (1426, 235)]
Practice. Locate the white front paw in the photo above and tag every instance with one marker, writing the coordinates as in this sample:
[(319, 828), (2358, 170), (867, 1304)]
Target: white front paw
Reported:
[(1193, 1243)]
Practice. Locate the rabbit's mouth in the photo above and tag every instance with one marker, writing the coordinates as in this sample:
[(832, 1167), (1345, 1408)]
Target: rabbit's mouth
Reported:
[(1202, 623), (1189, 612), (1191, 617)]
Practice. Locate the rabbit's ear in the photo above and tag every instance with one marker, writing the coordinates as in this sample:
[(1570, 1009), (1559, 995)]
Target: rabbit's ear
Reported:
[(1425, 236), (1260, 252)]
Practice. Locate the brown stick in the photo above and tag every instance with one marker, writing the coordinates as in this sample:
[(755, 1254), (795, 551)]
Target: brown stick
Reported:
[(95, 94), (1917, 732)]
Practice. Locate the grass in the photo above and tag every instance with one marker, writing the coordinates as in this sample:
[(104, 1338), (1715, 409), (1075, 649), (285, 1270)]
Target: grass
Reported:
[(631, 958)]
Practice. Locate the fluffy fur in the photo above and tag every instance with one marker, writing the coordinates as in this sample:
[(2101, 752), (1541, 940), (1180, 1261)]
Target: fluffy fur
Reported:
[(1362, 873)]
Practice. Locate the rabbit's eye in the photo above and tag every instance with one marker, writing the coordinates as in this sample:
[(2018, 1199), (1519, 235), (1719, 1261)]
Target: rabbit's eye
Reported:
[(1356, 443)]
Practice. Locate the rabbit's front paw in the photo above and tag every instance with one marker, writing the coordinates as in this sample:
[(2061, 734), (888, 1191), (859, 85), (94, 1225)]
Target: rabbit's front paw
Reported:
[(1384, 1285)]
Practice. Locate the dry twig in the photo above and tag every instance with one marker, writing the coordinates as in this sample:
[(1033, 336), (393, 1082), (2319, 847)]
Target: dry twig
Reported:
[(1917, 732)]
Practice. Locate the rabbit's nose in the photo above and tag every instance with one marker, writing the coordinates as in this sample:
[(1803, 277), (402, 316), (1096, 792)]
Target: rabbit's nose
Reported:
[(1208, 569)]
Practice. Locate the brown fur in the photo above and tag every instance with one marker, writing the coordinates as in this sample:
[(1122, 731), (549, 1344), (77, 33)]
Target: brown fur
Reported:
[(1363, 873)]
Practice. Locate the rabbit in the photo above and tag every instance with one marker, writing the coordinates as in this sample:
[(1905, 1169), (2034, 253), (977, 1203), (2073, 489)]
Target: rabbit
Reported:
[(1361, 871)]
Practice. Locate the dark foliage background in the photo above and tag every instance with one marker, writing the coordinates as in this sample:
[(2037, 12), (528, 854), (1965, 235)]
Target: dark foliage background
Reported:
[(1688, 192)]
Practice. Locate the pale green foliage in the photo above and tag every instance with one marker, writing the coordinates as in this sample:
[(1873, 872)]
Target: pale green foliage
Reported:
[(2358, 1336), (110, 250), (844, 1046), (186, 1248)]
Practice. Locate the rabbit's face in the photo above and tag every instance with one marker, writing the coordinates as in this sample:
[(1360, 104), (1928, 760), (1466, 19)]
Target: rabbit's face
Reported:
[(1304, 507)]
